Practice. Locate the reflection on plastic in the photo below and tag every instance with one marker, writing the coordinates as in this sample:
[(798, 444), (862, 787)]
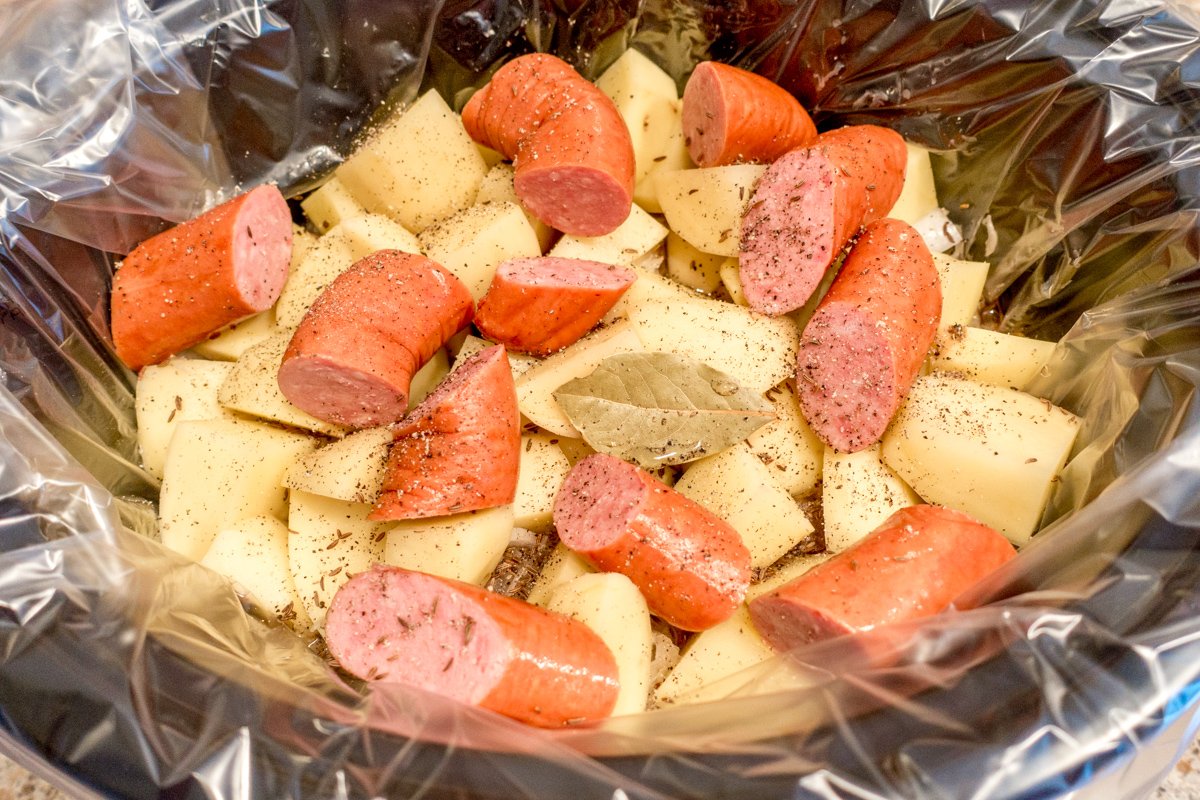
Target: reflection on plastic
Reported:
[(1074, 167)]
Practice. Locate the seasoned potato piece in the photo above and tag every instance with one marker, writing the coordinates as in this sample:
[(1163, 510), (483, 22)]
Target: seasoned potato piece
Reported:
[(562, 566), (329, 204), (498, 187), (543, 469), (787, 445), (991, 357), (350, 469), (169, 393), (962, 289), (716, 653), (466, 547), (638, 235), (919, 195), (472, 243), (693, 268), (858, 493), (705, 206)]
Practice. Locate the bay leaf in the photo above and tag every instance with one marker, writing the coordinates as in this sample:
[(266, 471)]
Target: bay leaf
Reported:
[(657, 409)]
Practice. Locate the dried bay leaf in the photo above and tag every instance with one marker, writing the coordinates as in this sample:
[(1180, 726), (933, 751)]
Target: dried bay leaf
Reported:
[(658, 408)]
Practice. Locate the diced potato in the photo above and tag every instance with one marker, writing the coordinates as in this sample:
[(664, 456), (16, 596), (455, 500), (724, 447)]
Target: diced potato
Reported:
[(991, 357), (759, 351), (418, 168), (221, 471), (634, 74), (858, 493), (693, 268), (991, 452), (253, 553), (350, 469), (464, 547), (787, 445), (543, 469), (731, 278), (740, 489), (609, 604), (330, 542), (252, 387), (498, 187), (535, 389), (674, 156), (705, 206), (330, 204), (169, 393), (332, 255), (426, 379), (786, 573), (472, 243), (962, 288), (639, 234), (563, 565), (919, 195), (229, 343), (711, 655)]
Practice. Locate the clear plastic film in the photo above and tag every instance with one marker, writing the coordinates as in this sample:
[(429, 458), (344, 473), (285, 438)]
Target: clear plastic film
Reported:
[(1071, 159)]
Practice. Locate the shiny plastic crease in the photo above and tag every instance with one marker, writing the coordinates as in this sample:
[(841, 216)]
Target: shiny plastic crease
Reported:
[(1071, 158)]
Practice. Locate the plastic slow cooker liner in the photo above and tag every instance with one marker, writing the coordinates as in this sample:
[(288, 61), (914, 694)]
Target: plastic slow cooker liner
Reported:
[(1070, 159)]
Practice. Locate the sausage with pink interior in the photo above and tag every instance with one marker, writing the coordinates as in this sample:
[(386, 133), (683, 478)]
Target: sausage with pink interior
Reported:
[(733, 116), (808, 205), (571, 151), (351, 360), (913, 565), (539, 305), (690, 565), (477, 647), (460, 449), (180, 286), (863, 347)]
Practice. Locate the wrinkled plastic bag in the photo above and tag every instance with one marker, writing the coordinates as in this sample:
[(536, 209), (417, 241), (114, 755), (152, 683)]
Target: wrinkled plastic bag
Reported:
[(1071, 161)]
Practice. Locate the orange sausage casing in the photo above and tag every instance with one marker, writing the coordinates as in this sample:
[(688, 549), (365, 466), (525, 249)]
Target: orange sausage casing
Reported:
[(353, 356), (808, 205), (180, 286), (690, 565), (475, 646), (731, 116), (460, 449), (913, 565), (539, 305), (571, 151), (863, 347)]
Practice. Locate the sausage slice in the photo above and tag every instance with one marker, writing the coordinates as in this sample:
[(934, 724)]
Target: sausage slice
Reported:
[(689, 563), (474, 646), (180, 286), (913, 565), (460, 449), (351, 360), (808, 205)]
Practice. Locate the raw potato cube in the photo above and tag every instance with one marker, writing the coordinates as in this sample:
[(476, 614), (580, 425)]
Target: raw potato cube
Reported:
[(858, 493), (731, 278), (674, 156), (472, 243), (253, 553), (332, 255), (705, 206), (609, 604), (962, 288), (350, 469), (169, 393), (465, 547), (919, 195), (220, 471), (648, 101), (543, 469), (252, 387), (757, 350), (711, 655), (638, 235), (233, 340), (991, 452), (693, 268), (740, 489), (330, 541), (330, 204), (497, 187), (991, 357), (562, 566), (787, 445), (418, 168), (535, 389)]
